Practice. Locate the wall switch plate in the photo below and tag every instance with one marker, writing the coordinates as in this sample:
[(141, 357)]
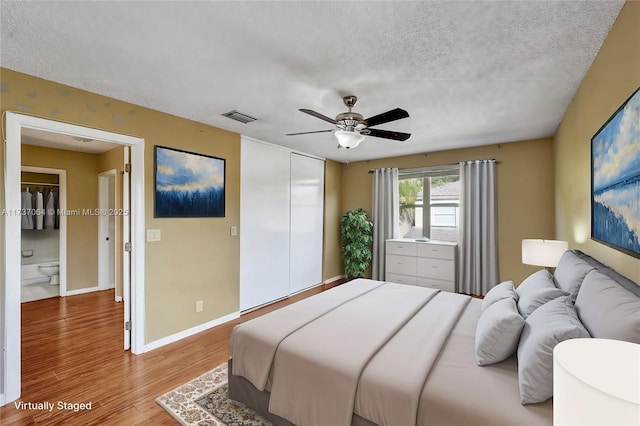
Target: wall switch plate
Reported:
[(153, 235), (234, 231), (199, 306)]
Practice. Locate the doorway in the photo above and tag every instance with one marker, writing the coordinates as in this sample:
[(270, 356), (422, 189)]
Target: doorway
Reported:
[(133, 285), (32, 177), (107, 230)]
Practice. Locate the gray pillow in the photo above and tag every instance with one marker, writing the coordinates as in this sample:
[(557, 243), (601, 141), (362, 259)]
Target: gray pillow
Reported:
[(504, 290), (536, 290), (549, 325), (498, 331), (607, 310), (570, 273)]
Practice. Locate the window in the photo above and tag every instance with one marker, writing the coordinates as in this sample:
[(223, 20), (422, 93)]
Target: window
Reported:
[(429, 202)]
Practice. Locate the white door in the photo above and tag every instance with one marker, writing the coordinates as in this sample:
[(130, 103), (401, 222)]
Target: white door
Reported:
[(126, 249), (307, 213), (111, 232), (106, 230), (264, 223)]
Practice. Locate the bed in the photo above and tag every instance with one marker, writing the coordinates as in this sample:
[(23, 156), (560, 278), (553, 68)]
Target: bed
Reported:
[(377, 353)]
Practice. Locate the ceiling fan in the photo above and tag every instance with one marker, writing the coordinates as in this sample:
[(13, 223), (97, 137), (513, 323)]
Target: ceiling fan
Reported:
[(352, 127)]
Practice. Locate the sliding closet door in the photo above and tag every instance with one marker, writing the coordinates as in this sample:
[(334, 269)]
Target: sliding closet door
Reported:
[(307, 212), (264, 224)]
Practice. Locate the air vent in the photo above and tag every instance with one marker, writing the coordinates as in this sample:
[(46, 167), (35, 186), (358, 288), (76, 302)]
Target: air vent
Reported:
[(238, 116)]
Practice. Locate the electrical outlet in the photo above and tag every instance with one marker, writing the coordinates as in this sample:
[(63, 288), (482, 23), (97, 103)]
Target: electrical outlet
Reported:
[(199, 306)]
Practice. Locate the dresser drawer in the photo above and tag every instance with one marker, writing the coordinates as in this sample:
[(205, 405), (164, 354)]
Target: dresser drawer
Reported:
[(436, 251), (402, 248), (401, 279), (438, 284), (403, 265), (436, 268)]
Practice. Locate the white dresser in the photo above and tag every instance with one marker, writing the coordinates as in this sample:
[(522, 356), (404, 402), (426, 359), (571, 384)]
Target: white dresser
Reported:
[(427, 264)]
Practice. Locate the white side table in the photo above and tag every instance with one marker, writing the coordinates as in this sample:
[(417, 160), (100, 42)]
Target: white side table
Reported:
[(596, 382)]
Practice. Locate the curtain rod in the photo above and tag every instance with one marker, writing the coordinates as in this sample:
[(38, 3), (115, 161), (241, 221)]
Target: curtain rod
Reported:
[(40, 183), (443, 166)]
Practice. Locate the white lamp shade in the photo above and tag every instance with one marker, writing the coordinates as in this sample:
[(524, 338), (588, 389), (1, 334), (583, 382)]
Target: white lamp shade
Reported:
[(543, 252), (347, 139), (596, 382)]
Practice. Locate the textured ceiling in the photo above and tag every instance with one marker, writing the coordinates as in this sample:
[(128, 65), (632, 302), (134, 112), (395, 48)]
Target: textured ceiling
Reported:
[(468, 72)]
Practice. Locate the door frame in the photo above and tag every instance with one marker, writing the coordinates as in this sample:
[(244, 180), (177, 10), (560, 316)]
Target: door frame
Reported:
[(10, 323), (104, 217)]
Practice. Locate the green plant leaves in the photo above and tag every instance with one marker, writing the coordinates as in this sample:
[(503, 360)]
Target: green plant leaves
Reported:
[(356, 231)]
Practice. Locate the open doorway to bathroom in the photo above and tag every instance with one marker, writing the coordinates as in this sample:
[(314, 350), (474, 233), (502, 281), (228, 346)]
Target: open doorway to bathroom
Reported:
[(132, 283), (43, 266)]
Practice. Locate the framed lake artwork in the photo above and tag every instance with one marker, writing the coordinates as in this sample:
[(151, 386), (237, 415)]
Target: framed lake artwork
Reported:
[(188, 184), (615, 179)]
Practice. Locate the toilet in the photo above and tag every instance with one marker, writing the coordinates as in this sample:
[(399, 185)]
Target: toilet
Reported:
[(51, 270)]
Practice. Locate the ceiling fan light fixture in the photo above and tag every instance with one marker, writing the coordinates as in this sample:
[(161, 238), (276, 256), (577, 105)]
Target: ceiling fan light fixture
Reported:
[(348, 139)]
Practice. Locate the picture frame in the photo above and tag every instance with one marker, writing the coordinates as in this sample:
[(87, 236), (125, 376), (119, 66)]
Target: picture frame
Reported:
[(615, 179), (188, 184)]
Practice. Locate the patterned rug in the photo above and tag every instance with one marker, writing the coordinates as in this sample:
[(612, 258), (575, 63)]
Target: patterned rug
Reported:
[(204, 401)]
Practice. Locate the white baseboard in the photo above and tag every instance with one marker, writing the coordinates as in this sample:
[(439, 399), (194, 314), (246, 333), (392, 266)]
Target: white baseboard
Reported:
[(190, 332), (2, 399), (336, 278), (83, 290)]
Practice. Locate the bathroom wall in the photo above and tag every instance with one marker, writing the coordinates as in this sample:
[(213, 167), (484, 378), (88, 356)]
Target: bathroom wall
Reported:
[(82, 193), (43, 244)]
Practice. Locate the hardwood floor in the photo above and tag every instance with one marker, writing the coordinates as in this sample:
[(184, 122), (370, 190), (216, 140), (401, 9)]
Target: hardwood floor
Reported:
[(72, 353)]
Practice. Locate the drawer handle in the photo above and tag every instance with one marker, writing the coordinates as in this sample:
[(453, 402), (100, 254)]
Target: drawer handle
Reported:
[(399, 263), (434, 266)]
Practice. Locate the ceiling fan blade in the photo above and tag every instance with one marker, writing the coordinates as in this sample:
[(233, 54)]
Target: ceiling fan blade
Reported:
[(386, 117), (318, 115), (306, 133), (387, 134)]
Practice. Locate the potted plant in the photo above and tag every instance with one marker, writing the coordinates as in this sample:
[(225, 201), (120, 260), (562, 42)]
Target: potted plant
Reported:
[(356, 237)]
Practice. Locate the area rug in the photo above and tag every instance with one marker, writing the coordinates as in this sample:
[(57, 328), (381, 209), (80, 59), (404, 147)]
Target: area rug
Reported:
[(204, 401)]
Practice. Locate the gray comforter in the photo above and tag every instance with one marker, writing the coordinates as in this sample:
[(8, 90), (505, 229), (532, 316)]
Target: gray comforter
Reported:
[(366, 347), (393, 354)]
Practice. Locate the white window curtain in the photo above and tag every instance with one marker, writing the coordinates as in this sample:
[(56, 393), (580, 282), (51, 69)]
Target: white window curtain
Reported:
[(478, 231), (386, 218)]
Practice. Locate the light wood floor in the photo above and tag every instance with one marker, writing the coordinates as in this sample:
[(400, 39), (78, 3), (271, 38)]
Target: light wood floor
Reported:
[(72, 352)]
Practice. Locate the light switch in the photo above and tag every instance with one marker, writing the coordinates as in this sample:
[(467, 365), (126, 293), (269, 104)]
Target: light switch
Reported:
[(234, 231), (153, 235)]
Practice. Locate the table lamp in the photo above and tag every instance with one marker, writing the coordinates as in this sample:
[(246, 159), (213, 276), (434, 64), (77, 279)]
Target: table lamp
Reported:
[(545, 253)]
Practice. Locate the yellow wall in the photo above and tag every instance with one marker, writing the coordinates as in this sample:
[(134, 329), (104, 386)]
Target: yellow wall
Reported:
[(613, 76), (332, 262), (110, 160), (196, 259), (82, 193), (524, 192)]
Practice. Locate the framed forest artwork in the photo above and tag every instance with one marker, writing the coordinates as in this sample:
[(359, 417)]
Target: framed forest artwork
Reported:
[(188, 184)]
